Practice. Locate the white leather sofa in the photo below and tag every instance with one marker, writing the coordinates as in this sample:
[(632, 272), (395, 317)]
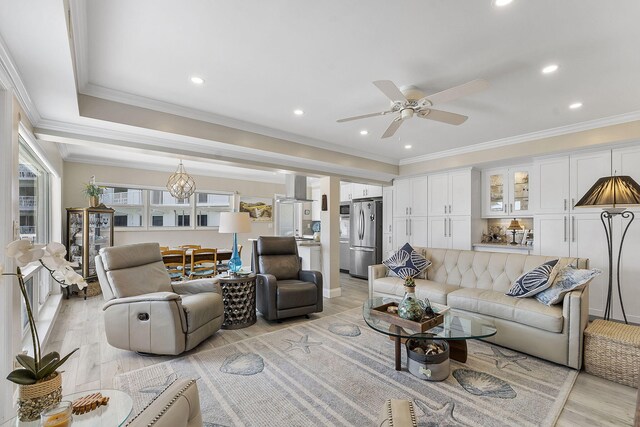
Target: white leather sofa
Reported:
[(177, 406), (475, 283)]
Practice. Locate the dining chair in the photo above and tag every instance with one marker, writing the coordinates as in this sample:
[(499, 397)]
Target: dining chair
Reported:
[(164, 248), (174, 261), (190, 246), (203, 263)]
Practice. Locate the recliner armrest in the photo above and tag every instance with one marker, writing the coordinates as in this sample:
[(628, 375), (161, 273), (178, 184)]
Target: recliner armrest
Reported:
[(155, 296), (196, 286), (266, 288), (311, 276)]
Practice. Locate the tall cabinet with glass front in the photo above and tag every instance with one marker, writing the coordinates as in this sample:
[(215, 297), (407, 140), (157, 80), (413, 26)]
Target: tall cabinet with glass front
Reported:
[(88, 230), (506, 192)]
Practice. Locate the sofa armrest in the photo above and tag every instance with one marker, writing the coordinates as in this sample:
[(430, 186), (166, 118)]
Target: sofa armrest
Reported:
[(197, 286), (313, 277), (155, 296), (575, 310), (375, 272), (266, 287), (178, 404)]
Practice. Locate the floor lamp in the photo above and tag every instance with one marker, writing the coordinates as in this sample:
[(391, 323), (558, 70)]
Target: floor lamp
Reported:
[(234, 222), (613, 194)]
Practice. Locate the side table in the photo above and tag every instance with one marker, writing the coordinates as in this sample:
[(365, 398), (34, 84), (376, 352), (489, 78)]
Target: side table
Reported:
[(239, 299)]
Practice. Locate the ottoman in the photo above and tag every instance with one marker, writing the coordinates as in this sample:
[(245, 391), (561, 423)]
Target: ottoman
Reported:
[(612, 351)]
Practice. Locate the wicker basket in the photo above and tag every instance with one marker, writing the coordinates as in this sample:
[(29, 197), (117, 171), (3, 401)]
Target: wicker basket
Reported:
[(35, 398), (612, 351)]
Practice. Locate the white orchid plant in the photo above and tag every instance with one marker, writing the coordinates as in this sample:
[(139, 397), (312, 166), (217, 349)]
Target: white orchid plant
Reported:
[(52, 258)]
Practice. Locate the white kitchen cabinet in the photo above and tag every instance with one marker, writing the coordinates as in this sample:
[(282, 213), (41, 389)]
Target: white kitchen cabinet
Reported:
[(558, 183), (580, 236), (387, 245), (450, 232), (626, 161), (412, 230), (387, 210), (550, 186), (450, 193), (311, 256), (505, 192), (360, 191), (346, 190), (410, 197), (629, 268), (585, 170)]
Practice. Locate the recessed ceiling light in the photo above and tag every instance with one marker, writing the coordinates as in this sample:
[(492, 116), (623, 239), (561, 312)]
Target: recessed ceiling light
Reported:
[(575, 105), (550, 69), (407, 147), (197, 80), (501, 3), (298, 112), (364, 132)]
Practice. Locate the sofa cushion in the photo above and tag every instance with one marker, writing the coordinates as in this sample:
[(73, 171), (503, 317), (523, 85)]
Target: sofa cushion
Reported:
[(533, 282), (436, 292), (526, 311), (407, 262), (567, 280), (295, 293)]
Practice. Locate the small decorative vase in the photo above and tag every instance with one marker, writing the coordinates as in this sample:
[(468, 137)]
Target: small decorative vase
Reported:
[(35, 398), (410, 308), (94, 201)]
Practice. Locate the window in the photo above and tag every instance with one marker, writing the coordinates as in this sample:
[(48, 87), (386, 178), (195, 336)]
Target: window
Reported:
[(128, 204), (33, 201), (209, 206), (166, 210)]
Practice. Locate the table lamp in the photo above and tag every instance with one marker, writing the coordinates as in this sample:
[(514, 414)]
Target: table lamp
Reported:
[(234, 222), (514, 226), (613, 194)]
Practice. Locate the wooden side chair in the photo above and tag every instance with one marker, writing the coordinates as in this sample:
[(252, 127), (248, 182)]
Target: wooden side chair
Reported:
[(204, 263), (174, 261)]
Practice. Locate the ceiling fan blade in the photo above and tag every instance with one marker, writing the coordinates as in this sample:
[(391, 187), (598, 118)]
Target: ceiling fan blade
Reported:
[(364, 116), (456, 92), (393, 127), (390, 90), (443, 116)]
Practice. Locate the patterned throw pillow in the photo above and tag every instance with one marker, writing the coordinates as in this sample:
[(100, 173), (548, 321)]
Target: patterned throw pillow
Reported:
[(406, 262), (568, 279), (532, 282)]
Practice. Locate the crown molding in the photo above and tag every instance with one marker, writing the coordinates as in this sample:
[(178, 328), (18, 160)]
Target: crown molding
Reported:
[(165, 107), (79, 31), (8, 68), (527, 137)]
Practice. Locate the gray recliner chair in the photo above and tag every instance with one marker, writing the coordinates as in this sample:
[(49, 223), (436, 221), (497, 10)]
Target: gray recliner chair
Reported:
[(145, 312), (282, 288)]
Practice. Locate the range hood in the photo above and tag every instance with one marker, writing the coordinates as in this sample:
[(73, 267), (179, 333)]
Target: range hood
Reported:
[(295, 189)]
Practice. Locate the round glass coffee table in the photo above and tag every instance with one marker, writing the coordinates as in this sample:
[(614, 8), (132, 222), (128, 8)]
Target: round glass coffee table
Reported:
[(456, 329)]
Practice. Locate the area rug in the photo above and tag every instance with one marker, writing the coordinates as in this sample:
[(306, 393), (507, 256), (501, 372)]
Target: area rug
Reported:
[(336, 371)]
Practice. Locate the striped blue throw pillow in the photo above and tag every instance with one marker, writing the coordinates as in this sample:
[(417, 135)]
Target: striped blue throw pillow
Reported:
[(532, 282)]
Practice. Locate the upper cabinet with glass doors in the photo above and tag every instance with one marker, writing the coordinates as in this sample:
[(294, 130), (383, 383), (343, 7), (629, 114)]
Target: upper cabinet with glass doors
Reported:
[(505, 192)]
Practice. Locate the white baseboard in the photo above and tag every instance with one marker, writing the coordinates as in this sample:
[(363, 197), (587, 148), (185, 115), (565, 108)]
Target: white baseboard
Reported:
[(331, 293)]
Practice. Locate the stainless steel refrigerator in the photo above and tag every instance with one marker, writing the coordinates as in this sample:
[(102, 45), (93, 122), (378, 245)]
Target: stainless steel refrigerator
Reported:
[(366, 236)]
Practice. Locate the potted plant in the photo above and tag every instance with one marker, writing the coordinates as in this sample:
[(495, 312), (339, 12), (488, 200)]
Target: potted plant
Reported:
[(93, 192), (39, 382)]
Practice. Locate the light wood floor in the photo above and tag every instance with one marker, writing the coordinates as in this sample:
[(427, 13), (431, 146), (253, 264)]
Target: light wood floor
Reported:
[(592, 402)]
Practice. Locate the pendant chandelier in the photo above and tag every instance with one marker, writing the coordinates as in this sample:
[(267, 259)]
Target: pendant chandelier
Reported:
[(180, 184)]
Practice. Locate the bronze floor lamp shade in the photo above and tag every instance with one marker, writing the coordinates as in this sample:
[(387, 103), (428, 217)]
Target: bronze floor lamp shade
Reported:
[(613, 194)]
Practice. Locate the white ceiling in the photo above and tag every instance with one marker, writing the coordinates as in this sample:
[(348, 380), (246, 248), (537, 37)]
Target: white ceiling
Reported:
[(260, 60)]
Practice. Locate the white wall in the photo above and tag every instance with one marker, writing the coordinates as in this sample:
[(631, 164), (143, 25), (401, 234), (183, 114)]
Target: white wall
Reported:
[(75, 174)]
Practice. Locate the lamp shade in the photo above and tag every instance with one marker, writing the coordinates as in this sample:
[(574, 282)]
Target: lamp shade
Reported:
[(612, 191), (234, 222), (515, 225)]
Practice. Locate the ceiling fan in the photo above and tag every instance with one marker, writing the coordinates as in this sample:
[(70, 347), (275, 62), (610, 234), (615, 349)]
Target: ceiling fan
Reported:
[(410, 100)]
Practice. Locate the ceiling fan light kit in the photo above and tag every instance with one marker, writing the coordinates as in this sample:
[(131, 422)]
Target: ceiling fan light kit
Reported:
[(409, 101)]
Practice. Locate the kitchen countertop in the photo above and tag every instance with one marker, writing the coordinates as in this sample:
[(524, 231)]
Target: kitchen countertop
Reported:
[(503, 245)]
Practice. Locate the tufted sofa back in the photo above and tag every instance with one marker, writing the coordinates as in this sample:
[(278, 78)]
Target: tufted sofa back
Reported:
[(485, 270)]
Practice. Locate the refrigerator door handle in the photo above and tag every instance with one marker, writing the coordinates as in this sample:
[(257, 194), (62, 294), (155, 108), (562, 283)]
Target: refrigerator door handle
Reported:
[(363, 249), (361, 224)]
